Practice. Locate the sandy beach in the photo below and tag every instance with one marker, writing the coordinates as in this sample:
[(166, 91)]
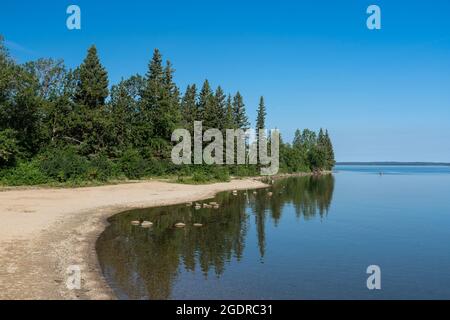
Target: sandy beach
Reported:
[(44, 231)]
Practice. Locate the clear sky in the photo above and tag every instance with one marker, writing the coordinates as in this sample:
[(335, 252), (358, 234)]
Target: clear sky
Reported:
[(383, 94)]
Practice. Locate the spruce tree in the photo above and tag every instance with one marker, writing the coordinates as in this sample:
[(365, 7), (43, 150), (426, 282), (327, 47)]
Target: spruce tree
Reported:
[(260, 122), (206, 106), (92, 88), (297, 142), (261, 117), (330, 152), (239, 114), (189, 107), (170, 103), (220, 106), (150, 100), (160, 104), (229, 118)]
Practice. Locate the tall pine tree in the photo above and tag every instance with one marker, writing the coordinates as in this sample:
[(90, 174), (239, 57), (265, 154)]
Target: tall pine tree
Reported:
[(239, 114), (206, 106), (229, 117), (92, 88), (189, 107)]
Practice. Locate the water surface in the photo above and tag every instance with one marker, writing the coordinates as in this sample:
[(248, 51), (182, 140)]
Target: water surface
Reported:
[(312, 239)]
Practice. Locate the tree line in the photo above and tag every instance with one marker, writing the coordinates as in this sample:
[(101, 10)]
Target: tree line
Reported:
[(60, 125)]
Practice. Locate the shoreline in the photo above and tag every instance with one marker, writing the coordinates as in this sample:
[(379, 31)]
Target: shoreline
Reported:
[(44, 231), (52, 229)]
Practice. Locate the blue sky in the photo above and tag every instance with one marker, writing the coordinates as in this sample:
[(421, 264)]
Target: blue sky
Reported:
[(383, 95)]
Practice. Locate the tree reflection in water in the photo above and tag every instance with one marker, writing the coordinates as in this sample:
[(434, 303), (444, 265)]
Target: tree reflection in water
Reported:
[(144, 263)]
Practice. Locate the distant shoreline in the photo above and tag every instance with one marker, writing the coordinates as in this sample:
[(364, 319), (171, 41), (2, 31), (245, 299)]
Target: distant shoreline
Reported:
[(393, 163)]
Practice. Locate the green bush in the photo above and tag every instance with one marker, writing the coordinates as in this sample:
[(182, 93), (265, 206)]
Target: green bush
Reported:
[(101, 168), (221, 174), (9, 149), (200, 176), (64, 165), (132, 164), (25, 173)]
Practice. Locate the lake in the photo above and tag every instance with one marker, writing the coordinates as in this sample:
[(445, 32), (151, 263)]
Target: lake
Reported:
[(312, 238)]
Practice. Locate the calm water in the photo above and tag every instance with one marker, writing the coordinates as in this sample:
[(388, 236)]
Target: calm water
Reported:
[(313, 239)]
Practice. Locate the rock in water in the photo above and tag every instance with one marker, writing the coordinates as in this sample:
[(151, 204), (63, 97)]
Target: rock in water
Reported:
[(198, 225), (135, 223), (180, 225), (146, 224)]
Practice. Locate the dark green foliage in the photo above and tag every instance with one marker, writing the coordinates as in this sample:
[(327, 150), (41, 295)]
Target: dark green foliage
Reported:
[(92, 88), (64, 165), (261, 117), (132, 164), (160, 106), (239, 114), (9, 150), (101, 168), (65, 126), (309, 151), (25, 173), (207, 107), (189, 109), (228, 114)]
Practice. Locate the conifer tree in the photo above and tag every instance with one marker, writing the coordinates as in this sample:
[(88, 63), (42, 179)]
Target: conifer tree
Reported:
[(170, 103), (261, 117), (239, 114), (260, 122), (206, 106), (189, 107), (229, 118), (297, 142), (220, 106), (330, 151), (92, 88)]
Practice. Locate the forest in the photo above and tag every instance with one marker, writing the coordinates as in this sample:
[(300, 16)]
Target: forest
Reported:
[(71, 127)]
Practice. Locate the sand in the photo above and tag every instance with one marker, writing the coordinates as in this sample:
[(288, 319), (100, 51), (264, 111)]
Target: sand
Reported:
[(44, 231)]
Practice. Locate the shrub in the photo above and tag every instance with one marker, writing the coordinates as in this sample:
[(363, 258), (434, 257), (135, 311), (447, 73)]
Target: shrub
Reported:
[(25, 173), (200, 176), (9, 148), (221, 174), (101, 168), (64, 165), (132, 165)]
